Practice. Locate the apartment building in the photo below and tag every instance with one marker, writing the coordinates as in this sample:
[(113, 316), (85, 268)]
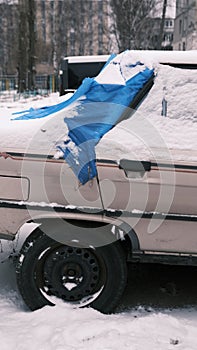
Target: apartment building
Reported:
[(168, 34), (185, 26)]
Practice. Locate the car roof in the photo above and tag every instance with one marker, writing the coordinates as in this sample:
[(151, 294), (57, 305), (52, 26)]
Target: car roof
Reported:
[(179, 57)]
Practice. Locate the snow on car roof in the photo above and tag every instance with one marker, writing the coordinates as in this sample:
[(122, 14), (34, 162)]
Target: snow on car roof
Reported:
[(176, 57), (184, 57), (86, 59)]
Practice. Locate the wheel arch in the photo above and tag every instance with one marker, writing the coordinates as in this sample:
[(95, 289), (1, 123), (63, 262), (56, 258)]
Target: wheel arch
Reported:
[(112, 228)]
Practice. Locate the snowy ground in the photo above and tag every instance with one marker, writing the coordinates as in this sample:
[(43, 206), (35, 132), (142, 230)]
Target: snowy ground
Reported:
[(65, 328)]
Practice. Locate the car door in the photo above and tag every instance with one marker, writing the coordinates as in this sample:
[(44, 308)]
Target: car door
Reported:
[(157, 200)]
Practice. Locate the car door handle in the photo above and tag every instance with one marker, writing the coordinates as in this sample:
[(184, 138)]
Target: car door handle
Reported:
[(134, 168)]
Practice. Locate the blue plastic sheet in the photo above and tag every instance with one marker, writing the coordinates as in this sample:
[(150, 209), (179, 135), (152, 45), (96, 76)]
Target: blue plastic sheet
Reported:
[(94, 115)]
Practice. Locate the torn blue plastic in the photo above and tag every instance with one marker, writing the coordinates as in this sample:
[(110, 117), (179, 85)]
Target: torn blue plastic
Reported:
[(97, 114), (98, 109), (48, 110)]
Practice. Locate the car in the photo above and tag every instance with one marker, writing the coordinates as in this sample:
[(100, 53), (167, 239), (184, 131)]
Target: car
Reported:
[(134, 210)]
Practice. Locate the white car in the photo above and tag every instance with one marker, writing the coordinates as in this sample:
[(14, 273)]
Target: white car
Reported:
[(134, 210)]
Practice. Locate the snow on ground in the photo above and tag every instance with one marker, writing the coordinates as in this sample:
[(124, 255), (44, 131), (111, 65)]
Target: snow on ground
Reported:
[(63, 327)]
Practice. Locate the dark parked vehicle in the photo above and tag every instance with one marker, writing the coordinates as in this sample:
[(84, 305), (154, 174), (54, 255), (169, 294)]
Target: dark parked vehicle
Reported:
[(74, 69)]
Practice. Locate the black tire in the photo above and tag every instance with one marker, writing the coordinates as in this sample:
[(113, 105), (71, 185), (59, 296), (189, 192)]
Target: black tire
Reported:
[(46, 267)]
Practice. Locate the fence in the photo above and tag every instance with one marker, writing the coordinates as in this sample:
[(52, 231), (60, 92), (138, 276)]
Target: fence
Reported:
[(8, 83), (43, 84)]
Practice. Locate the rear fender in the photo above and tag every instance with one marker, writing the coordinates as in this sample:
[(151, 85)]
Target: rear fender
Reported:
[(86, 230)]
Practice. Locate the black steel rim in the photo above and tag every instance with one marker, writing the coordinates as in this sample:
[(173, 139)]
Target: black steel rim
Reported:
[(71, 273)]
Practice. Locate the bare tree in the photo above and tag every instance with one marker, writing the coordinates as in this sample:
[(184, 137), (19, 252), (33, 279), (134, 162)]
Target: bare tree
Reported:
[(132, 23), (26, 45), (22, 46), (8, 37), (161, 32), (31, 44)]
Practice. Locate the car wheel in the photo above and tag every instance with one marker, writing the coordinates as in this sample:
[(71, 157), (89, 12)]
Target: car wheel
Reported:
[(48, 271)]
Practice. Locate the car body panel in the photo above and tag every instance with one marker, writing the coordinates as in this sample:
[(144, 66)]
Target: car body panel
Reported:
[(37, 181), (160, 204)]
